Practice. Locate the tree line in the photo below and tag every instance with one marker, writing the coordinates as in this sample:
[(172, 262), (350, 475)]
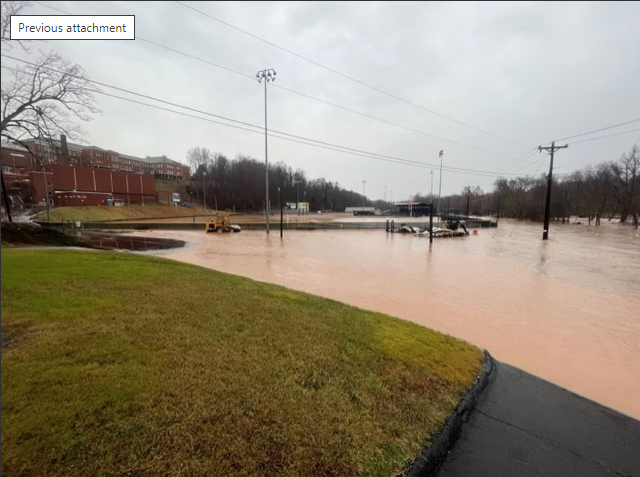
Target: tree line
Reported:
[(239, 185), (610, 189)]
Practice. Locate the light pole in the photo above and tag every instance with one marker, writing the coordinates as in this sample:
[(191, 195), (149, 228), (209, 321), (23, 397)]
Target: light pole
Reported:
[(281, 209), (204, 189), (266, 75), (440, 186), (40, 158), (364, 195), (431, 193), (297, 183)]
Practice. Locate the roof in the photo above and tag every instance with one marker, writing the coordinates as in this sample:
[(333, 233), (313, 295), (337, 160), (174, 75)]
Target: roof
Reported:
[(159, 159), (56, 142), (11, 145), (411, 204), (78, 147)]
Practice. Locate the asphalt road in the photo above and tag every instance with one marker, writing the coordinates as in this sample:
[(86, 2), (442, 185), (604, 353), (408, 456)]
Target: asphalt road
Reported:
[(524, 426)]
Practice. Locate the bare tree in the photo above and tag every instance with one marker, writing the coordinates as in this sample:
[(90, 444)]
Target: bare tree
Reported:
[(198, 159), (41, 97), (8, 9), (626, 188), (44, 98)]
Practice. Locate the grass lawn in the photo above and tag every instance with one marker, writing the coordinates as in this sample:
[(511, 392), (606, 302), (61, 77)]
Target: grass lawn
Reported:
[(121, 364), (105, 213)]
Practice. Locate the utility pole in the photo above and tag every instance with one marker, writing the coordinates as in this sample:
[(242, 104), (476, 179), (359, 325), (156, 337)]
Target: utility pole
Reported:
[(547, 208), (468, 188), (364, 195)]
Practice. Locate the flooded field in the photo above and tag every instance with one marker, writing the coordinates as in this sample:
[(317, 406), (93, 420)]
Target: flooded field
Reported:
[(566, 309)]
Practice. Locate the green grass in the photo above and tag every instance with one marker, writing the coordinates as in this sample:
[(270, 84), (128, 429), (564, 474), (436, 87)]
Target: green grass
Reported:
[(98, 213), (120, 364)]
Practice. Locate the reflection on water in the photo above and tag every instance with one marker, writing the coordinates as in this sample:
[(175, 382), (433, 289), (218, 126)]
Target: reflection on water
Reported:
[(565, 309)]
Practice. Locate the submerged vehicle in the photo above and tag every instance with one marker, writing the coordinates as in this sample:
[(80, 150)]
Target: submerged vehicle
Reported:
[(221, 223)]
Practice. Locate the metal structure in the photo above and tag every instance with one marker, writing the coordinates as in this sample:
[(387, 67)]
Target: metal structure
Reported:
[(266, 75), (440, 186)]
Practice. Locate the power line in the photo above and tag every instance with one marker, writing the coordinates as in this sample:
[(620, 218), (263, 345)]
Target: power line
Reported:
[(258, 129), (278, 134), (316, 143), (308, 96), (337, 106), (517, 161), (608, 135), (350, 78), (601, 129), (522, 158), (231, 70)]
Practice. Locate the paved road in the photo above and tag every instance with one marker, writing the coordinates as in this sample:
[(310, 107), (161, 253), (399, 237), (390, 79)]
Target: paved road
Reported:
[(523, 426)]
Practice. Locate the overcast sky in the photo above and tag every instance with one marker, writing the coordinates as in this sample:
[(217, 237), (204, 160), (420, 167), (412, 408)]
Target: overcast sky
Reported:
[(395, 82)]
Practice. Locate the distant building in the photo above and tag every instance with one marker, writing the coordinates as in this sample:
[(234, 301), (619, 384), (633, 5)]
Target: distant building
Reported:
[(296, 207), (64, 173), (73, 186), (361, 210), (160, 167), (411, 209)]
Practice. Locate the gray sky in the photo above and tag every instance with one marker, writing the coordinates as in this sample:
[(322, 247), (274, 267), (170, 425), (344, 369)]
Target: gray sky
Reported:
[(485, 82)]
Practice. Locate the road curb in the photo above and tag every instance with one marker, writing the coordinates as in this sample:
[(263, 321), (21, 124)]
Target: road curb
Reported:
[(431, 458)]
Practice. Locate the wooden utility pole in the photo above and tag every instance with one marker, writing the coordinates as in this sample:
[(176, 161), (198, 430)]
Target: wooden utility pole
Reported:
[(468, 189), (547, 208)]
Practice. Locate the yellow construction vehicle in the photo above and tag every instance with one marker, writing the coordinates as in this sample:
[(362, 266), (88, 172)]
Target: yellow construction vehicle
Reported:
[(221, 223)]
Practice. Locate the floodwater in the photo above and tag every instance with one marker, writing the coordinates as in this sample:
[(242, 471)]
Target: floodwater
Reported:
[(566, 309)]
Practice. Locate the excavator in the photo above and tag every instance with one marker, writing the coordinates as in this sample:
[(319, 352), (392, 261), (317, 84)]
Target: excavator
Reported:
[(221, 223)]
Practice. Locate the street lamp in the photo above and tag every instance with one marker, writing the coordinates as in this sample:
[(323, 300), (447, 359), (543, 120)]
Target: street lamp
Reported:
[(364, 195), (204, 188), (266, 75), (297, 183), (440, 186)]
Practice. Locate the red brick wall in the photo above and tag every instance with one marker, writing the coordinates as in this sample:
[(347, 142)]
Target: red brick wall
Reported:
[(78, 180)]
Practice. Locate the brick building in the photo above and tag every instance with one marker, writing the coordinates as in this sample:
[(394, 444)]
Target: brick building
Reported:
[(70, 174), (160, 167)]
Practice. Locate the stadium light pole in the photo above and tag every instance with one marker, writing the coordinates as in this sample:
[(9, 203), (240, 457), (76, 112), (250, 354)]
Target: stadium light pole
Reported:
[(266, 75)]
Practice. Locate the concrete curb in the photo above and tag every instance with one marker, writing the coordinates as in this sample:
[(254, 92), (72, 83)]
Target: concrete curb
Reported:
[(431, 458)]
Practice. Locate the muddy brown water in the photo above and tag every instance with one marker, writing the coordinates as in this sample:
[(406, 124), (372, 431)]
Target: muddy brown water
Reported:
[(566, 309)]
